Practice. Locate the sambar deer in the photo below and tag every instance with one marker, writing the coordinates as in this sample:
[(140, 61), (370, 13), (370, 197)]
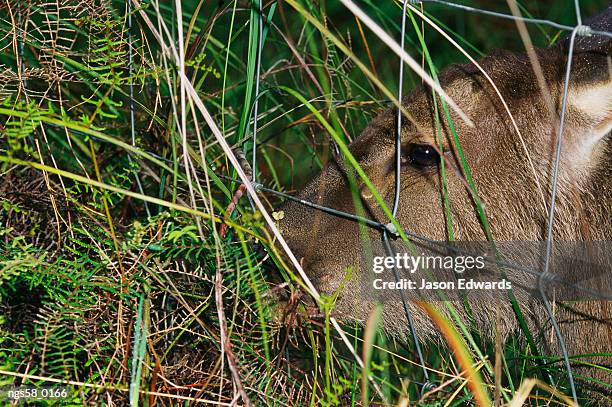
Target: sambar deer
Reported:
[(512, 175)]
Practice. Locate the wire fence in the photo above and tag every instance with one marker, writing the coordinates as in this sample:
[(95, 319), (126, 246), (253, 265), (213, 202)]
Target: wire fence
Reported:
[(388, 230)]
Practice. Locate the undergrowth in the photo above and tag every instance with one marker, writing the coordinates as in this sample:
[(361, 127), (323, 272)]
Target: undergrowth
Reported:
[(111, 207)]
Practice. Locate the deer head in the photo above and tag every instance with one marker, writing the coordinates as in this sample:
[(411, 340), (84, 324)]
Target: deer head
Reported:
[(511, 170)]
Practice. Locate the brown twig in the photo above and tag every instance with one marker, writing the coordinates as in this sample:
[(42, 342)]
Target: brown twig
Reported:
[(240, 191)]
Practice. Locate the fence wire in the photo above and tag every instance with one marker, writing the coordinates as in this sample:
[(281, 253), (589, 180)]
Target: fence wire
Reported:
[(551, 214), (529, 20), (396, 198)]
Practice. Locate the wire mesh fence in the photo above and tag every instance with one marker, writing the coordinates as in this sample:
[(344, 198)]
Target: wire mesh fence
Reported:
[(388, 229)]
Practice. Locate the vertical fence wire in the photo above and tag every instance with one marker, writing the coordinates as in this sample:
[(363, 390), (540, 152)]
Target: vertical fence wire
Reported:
[(578, 14), (385, 233), (551, 217), (256, 101)]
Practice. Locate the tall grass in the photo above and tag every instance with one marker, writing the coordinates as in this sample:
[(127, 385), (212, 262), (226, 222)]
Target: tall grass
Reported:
[(115, 277)]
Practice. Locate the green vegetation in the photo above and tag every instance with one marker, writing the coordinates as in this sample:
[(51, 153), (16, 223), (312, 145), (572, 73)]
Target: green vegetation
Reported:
[(116, 275)]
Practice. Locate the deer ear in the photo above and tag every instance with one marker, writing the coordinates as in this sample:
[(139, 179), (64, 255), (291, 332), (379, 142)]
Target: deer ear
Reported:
[(590, 102), (593, 103)]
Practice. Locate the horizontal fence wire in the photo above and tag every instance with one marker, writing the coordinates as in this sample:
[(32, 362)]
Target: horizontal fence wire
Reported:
[(539, 21), (419, 239)]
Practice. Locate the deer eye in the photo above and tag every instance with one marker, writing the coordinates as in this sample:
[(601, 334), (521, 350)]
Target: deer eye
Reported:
[(420, 156)]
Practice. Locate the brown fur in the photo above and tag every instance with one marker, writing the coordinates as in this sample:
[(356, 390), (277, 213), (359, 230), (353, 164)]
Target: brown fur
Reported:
[(503, 176)]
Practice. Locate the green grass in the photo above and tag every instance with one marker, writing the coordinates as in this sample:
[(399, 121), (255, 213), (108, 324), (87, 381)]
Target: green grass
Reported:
[(111, 288)]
